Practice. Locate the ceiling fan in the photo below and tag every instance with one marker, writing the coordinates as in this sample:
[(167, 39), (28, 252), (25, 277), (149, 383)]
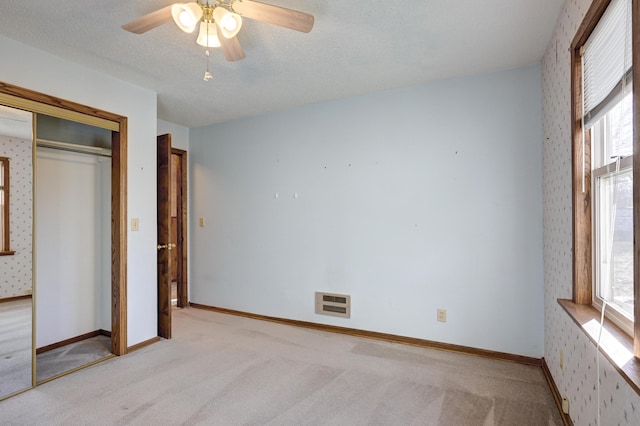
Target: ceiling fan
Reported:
[(221, 21)]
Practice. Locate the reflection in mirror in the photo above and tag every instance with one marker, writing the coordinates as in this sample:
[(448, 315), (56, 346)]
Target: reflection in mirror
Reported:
[(5, 178), (16, 272), (73, 246)]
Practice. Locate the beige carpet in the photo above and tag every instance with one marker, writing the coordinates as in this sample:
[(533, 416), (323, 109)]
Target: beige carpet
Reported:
[(15, 346), (226, 370), (74, 355)]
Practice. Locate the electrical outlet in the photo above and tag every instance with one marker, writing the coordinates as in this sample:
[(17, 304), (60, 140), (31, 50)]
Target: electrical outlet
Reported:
[(442, 315), (135, 224), (561, 359), (201, 222)]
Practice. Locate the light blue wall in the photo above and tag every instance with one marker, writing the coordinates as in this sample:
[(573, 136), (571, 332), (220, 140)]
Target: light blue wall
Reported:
[(408, 200)]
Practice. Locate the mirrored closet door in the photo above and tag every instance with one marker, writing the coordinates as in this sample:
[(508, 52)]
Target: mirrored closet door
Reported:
[(16, 250)]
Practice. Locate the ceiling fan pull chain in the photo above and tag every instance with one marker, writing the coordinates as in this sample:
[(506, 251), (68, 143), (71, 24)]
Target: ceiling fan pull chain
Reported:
[(207, 74)]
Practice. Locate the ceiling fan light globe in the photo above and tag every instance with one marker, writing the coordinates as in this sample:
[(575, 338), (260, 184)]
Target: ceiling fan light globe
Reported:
[(186, 15), (229, 23), (208, 36)]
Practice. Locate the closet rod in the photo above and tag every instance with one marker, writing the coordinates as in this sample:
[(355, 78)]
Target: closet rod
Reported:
[(82, 149)]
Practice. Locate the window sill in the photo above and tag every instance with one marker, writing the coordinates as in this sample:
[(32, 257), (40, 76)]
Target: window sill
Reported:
[(7, 253), (615, 344)]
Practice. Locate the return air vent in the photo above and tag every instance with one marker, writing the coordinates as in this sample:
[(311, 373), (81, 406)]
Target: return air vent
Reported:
[(338, 305)]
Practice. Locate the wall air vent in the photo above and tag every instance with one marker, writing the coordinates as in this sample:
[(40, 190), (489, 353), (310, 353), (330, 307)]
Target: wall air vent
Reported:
[(338, 305)]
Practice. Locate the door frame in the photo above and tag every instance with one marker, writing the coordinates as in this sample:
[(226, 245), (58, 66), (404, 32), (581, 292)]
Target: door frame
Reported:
[(39, 103), (183, 229)]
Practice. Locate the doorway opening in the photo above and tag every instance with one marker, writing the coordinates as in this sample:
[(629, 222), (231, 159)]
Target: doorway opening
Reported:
[(179, 288), (73, 250)]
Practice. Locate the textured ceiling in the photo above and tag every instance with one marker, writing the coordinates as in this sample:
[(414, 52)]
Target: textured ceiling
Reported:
[(356, 47)]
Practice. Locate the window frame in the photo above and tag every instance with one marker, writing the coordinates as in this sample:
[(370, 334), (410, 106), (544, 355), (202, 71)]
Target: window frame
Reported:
[(5, 237), (581, 168), (613, 313)]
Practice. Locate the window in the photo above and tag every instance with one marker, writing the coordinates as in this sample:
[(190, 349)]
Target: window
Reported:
[(612, 188), (604, 185), (4, 207)]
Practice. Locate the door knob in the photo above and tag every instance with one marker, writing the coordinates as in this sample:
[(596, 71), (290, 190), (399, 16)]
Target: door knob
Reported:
[(168, 246)]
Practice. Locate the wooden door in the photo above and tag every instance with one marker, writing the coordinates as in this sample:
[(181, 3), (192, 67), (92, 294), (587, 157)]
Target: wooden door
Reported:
[(164, 236)]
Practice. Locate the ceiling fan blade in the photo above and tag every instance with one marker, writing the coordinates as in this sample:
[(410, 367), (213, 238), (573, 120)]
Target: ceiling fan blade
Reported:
[(276, 15), (150, 21), (230, 47)]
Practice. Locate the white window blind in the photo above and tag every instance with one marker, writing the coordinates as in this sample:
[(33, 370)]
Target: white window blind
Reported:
[(606, 70)]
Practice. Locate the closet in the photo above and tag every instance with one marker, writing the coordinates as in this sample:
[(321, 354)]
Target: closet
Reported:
[(63, 272), (72, 251)]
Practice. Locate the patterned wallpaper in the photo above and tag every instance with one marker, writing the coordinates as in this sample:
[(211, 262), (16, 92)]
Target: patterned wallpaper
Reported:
[(15, 271), (619, 403)]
